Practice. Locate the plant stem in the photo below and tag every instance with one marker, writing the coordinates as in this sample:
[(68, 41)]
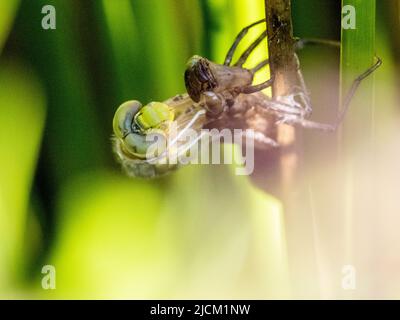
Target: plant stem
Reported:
[(280, 44), (283, 69), (298, 220)]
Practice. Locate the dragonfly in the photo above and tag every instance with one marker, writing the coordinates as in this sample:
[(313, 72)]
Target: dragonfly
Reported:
[(219, 96)]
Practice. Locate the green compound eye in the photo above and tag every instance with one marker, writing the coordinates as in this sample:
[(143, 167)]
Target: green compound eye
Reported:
[(124, 116), (153, 115), (138, 145), (138, 126)]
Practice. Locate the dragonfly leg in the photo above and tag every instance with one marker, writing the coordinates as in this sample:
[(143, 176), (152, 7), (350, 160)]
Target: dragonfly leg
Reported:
[(299, 45), (250, 49), (302, 42), (299, 120), (260, 138), (257, 87), (308, 124), (350, 94), (261, 65), (304, 96), (239, 37)]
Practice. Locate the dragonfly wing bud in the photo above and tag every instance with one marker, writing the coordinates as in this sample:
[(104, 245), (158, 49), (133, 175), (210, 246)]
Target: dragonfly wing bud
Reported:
[(153, 115)]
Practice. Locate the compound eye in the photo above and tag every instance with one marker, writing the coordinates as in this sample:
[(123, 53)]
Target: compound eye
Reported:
[(145, 146), (213, 103), (153, 115), (124, 116)]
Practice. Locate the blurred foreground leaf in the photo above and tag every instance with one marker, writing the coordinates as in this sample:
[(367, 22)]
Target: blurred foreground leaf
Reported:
[(205, 233), (22, 109), (7, 12), (109, 243)]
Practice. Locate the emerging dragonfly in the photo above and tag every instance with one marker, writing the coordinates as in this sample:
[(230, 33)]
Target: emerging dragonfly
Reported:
[(218, 96)]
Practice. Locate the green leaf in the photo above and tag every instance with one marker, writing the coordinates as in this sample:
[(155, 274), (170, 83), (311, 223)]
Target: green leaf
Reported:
[(206, 233), (357, 55), (7, 12), (22, 109)]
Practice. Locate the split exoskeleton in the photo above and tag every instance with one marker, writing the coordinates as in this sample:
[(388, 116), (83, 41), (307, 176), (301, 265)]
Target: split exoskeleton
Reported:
[(221, 97)]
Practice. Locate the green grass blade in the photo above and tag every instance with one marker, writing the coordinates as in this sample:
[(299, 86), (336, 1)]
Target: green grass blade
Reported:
[(22, 105), (357, 55), (355, 170)]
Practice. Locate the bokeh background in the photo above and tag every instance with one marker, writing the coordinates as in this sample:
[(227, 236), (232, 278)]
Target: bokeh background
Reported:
[(201, 232)]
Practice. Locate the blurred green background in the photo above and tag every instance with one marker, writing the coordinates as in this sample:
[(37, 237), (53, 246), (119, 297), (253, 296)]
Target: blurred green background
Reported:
[(201, 232)]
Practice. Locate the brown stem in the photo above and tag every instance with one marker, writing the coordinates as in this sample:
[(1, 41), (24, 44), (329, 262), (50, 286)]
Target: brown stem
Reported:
[(274, 170), (280, 44), (284, 69), (293, 190)]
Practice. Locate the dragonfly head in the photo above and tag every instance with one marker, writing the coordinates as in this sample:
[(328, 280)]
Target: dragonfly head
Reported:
[(199, 77), (133, 122)]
